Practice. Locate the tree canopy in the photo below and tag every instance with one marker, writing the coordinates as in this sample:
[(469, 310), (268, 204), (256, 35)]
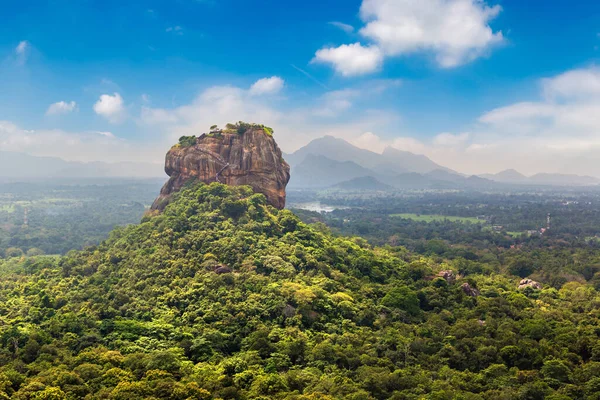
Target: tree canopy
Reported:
[(224, 297)]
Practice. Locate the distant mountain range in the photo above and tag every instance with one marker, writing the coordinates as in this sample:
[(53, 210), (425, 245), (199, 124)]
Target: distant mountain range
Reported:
[(339, 150), (332, 162), (327, 162), (23, 166), (514, 177)]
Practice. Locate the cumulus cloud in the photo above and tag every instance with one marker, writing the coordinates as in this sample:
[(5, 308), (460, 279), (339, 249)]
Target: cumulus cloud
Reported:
[(61, 107), (438, 144), (351, 59), (270, 85), (560, 132), (295, 126), (73, 146), (455, 32), (575, 84), (450, 140), (111, 107)]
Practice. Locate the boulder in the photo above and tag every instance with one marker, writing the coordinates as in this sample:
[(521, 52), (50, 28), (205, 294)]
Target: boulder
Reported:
[(222, 269), (469, 290), (447, 275), (525, 283)]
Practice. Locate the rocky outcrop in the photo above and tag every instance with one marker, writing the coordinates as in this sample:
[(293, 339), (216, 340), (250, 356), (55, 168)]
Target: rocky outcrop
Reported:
[(447, 275), (239, 155), (525, 283), (469, 290)]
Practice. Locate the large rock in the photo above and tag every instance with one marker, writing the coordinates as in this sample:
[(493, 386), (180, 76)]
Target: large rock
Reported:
[(250, 157), (525, 283)]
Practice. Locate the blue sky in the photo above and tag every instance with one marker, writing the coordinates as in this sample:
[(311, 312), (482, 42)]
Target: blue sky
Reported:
[(457, 80)]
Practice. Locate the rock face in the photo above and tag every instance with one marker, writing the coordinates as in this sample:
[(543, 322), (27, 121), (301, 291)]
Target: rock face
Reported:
[(250, 157)]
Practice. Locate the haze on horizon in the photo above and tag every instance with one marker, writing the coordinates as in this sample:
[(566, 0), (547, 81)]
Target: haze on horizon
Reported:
[(477, 86)]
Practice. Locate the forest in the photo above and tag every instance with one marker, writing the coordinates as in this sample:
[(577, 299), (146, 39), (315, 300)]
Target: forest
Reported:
[(224, 297), (54, 217)]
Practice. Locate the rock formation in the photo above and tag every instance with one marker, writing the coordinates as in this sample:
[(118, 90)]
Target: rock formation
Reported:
[(469, 290), (242, 154), (447, 275), (525, 283)]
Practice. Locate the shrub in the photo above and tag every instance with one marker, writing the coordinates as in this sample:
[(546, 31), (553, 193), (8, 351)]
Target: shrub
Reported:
[(187, 141)]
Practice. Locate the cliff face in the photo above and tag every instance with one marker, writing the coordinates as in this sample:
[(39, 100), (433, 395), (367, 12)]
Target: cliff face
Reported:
[(248, 158)]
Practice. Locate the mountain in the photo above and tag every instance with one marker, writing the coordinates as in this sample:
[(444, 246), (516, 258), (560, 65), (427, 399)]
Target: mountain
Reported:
[(444, 175), (390, 162), (363, 183), (334, 149), (321, 172), (24, 166), (317, 171), (404, 161), (563, 180), (512, 176)]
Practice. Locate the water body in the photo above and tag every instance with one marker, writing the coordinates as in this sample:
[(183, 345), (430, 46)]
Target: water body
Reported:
[(317, 207)]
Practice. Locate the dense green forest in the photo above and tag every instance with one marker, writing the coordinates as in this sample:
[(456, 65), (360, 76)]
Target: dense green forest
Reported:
[(54, 217), (224, 297)]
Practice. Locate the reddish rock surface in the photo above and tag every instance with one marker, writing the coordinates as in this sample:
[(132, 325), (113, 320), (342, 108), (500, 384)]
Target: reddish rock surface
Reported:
[(249, 158)]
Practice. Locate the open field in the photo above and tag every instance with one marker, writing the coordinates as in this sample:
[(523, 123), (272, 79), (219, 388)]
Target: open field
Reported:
[(433, 218), (9, 208)]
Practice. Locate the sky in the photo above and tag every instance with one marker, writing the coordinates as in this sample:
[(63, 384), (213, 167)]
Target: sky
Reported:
[(477, 86)]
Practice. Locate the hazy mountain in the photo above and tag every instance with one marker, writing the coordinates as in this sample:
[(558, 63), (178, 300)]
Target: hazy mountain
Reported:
[(391, 162), (405, 161), (334, 149), (507, 176), (24, 166), (514, 177), (363, 183), (563, 180), (320, 171), (444, 175)]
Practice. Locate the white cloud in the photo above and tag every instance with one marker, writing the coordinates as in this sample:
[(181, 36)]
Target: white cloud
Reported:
[(22, 47), (111, 107), (61, 107), (157, 116), (270, 85), (106, 134), (558, 133), (518, 112), (22, 52), (575, 84), (441, 143), (176, 30), (294, 126), (75, 146), (335, 102), (351, 59), (450, 140), (344, 27), (454, 31), (369, 141)]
